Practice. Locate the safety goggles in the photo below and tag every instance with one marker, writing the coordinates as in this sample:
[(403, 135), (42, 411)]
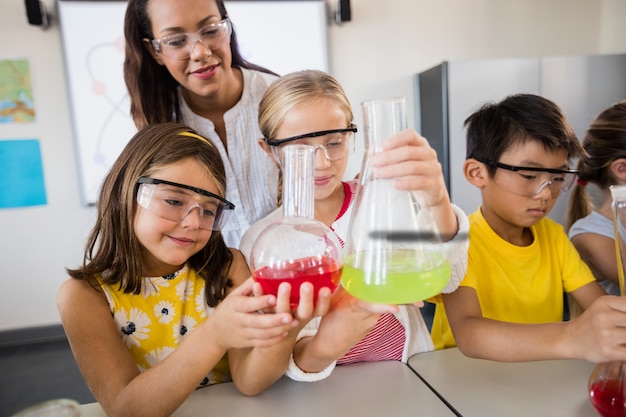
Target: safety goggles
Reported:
[(173, 201)]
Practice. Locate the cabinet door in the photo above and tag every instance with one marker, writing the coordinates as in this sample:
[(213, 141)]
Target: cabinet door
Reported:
[(581, 85)]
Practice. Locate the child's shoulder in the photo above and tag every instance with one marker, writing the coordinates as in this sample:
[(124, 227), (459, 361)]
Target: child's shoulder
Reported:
[(237, 255), (78, 295), (73, 287)]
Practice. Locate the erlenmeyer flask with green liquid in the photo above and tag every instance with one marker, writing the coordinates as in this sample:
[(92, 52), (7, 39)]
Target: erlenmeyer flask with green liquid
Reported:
[(393, 252)]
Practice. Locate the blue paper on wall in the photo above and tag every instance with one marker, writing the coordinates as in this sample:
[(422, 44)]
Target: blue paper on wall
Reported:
[(21, 174)]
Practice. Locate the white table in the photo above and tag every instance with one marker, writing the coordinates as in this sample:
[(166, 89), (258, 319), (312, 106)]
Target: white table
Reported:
[(483, 388), (375, 389)]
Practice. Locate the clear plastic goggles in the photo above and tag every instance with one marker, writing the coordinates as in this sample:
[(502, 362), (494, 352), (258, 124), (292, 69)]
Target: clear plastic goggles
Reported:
[(180, 45), (336, 144), (530, 181), (173, 201)]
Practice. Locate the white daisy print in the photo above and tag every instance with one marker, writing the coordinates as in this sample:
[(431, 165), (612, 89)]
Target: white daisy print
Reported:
[(151, 286), (164, 311), (186, 326), (133, 327), (184, 290), (201, 305), (209, 379), (157, 355)]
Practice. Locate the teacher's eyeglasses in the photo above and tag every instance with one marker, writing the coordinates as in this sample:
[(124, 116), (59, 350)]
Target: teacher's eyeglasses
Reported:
[(181, 45)]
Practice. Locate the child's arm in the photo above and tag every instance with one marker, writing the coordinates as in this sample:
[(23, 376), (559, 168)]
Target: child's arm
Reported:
[(597, 335), (600, 330), (254, 369), (113, 376), (586, 295), (484, 338), (347, 322)]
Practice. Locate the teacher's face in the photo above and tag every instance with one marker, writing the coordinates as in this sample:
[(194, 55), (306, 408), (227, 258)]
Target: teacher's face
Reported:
[(208, 65)]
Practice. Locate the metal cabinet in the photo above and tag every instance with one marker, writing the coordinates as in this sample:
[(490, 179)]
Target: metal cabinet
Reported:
[(449, 92)]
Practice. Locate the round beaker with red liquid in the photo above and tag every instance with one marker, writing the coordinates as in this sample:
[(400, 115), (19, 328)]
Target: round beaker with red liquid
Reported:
[(297, 248)]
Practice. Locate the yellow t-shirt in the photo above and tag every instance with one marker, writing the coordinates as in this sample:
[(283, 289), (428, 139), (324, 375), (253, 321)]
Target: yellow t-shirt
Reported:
[(518, 284), (153, 323)]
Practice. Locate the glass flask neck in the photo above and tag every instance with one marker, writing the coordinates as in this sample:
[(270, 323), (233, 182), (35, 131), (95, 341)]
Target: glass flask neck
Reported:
[(298, 166), (382, 118), (618, 206)]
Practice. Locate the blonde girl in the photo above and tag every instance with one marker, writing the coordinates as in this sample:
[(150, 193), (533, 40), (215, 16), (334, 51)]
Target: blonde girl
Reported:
[(310, 107)]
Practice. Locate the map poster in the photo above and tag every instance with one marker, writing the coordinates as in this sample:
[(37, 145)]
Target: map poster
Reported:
[(16, 95)]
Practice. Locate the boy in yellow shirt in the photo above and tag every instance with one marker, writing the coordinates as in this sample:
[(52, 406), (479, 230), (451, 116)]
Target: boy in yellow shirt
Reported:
[(509, 306)]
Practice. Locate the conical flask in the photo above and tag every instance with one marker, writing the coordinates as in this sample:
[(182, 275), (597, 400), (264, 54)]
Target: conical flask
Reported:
[(297, 248), (607, 383), (393, 252)]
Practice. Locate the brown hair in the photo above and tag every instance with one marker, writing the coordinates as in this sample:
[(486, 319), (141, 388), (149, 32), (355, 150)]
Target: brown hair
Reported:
[(519, 118), (605, 141), (113, 253), (152, 90)]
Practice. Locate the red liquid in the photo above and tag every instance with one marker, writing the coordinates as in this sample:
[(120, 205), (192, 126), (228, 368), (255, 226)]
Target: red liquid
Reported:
[(607, 397), (321, 272)]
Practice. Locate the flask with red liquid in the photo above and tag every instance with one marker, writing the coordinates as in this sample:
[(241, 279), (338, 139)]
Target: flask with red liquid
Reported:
[(607, 383), (297, 248)]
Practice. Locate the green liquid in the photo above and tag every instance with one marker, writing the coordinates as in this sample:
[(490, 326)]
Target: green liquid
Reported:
[(400, 283)]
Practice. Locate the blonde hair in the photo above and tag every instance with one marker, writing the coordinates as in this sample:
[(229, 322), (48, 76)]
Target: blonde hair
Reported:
[(292, 90)]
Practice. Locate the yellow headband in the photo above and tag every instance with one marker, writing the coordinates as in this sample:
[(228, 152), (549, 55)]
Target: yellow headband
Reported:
[(193, 135)]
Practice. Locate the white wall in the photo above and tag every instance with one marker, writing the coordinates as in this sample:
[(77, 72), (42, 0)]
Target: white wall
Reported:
[(37, 243), (389, 41), (377, 54)]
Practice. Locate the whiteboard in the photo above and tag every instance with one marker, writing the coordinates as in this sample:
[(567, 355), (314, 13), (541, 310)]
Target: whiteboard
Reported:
[(283, 36)]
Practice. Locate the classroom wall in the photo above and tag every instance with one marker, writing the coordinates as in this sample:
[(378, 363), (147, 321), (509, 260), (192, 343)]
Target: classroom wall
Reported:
[(377, 54)]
